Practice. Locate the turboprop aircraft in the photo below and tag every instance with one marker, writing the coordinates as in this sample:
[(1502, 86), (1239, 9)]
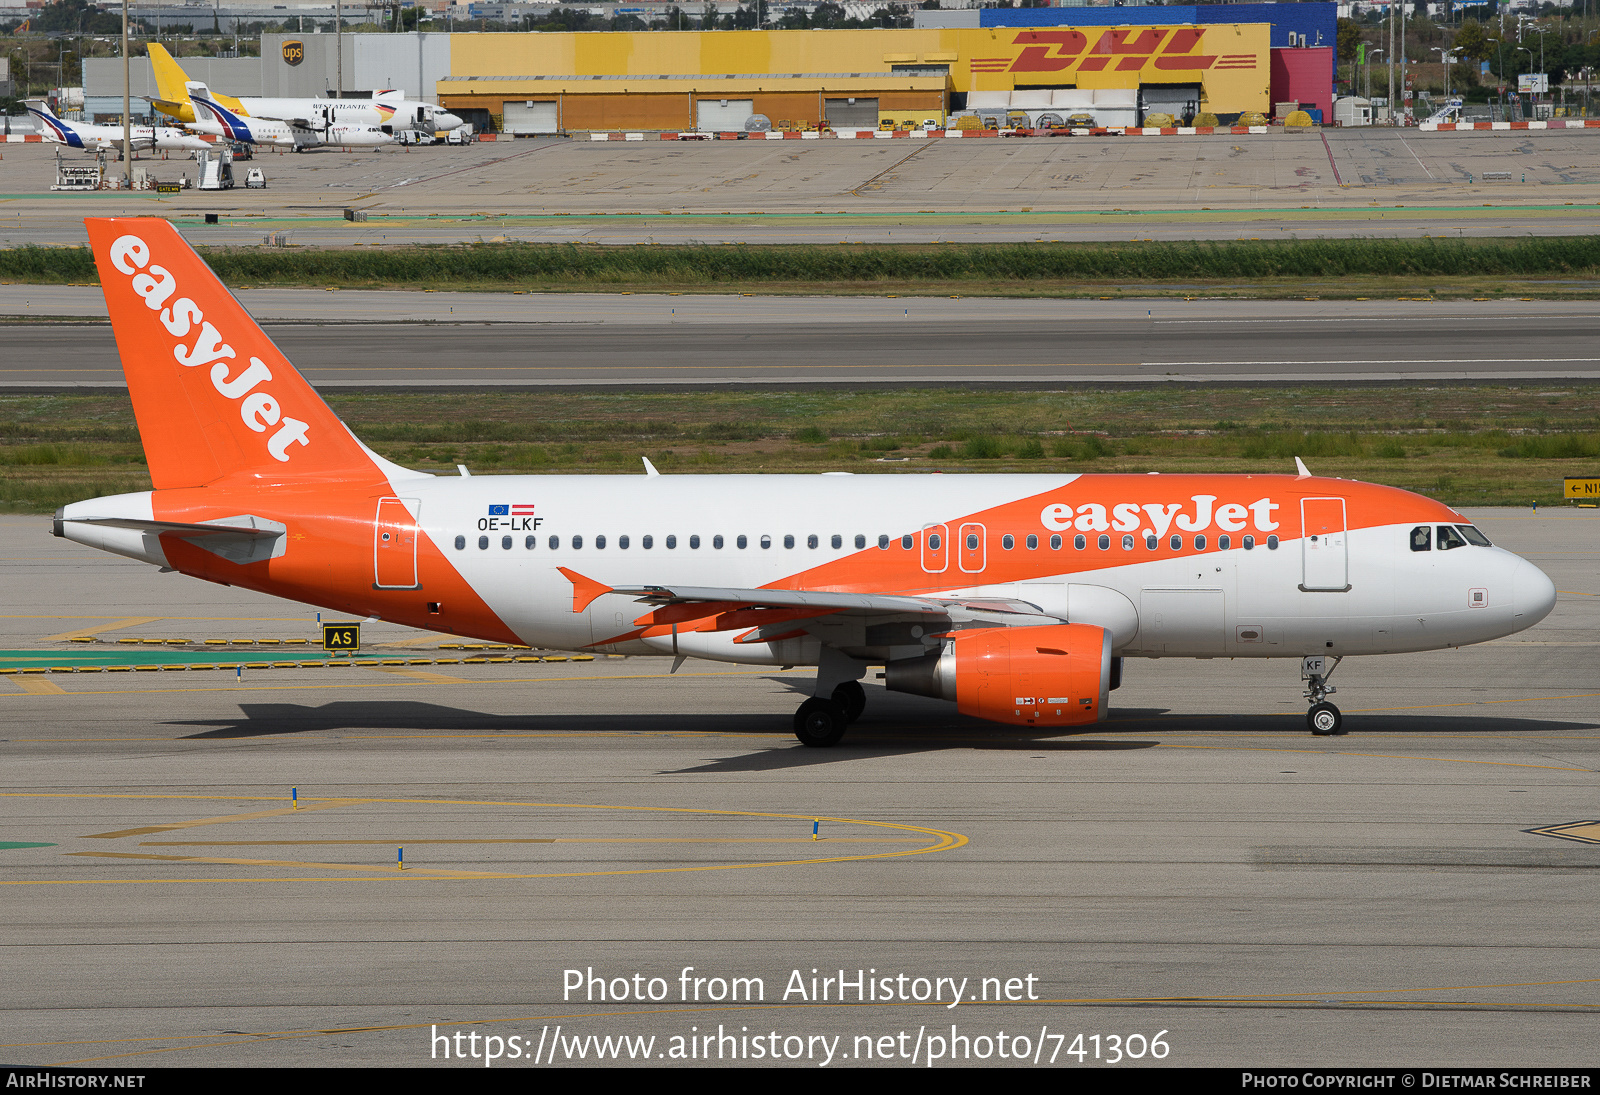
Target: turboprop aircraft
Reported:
[(219, 120), (1015, 596), (108, 138), (388, 110)]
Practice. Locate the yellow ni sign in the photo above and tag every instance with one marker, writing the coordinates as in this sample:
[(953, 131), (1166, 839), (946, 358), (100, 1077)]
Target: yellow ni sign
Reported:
[(1586, 488)]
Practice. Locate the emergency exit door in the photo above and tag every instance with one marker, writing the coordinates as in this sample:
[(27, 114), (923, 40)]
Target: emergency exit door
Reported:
[(394, 544), (1324, 557)]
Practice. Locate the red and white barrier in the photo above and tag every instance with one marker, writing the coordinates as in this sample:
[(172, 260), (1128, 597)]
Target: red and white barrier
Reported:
[(1097, 131)]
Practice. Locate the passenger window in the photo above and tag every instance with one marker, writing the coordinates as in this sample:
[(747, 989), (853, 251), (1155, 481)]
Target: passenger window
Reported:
[(483, 543), (1033, 542), (1150, 542), (1450, 538), (934, 541), (1272, 543), (811, 541), (1007, 542), (1422, 538), (766, 541), (861, 541), (905, 542), (600, 542), (1473, 536), (1224, 542), (716, 541), (555, 542), (1055, 543), (742, 542), (505, 543), (1199, 543), (647, 541), (972, 541), (694, 542), (1127, 542), (1079, 543), (1105, 543), (672, 542), (837, 541), (1249, 543), (788, 541), (1177, 543), (622, 543), (461, 542), (883, 543)]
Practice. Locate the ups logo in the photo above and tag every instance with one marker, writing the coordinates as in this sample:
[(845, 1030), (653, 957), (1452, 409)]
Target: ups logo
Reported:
[(294, 52)]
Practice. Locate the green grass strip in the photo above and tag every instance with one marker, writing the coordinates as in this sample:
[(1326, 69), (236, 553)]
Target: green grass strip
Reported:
[(587, 265)]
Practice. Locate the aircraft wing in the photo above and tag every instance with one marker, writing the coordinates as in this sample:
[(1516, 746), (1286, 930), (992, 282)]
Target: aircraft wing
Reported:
[(740, 607), (304, 137)]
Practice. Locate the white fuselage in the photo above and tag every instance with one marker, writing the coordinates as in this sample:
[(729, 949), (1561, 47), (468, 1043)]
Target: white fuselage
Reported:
[(1184, 601)]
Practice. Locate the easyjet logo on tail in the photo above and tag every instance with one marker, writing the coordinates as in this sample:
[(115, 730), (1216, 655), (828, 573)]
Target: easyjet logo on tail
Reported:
[(259, 410)]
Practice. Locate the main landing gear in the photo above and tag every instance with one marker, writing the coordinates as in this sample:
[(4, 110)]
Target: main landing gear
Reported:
[(838, 701), (1323, 718), (822, 722)]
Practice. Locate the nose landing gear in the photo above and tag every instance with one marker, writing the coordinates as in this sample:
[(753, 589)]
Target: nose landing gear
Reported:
[(1323, 718)]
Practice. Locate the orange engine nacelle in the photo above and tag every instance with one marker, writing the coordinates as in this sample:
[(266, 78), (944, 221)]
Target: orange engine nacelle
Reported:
[(1058, 675)]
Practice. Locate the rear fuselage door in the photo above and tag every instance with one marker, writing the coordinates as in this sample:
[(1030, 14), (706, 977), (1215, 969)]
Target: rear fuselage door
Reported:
[(394, 544), (1325, 564)]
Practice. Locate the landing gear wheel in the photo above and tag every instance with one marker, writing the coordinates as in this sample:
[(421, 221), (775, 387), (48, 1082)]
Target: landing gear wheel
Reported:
[(1325, 720), (820, 723), (853, 698)]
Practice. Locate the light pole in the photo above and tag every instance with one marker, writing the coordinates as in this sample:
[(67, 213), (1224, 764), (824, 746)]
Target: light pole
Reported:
[(127, 107), (1444, 55), (1370, 55)]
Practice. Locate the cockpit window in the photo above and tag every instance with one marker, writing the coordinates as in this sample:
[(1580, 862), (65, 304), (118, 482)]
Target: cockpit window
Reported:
[(1450, 538), (1474, 537), (1422, 538)]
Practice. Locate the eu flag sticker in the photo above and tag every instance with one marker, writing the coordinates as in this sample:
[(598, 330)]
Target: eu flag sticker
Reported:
[(499, 511)]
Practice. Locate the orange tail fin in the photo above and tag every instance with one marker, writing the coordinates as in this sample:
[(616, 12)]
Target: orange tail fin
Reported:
[(213, 396)]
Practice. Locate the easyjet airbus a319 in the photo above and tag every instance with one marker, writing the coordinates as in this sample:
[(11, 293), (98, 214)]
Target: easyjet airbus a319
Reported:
[(1015, 596)]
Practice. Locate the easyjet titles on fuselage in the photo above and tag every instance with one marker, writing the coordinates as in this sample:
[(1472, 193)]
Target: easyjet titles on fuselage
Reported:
[(1128, 516), (259, 410)]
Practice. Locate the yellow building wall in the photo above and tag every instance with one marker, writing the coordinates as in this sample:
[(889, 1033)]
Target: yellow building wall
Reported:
[(1229, 60)]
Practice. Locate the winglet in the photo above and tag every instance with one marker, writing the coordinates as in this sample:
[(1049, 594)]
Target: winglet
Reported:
[(649, 468), (1301, 471), (585, 591)]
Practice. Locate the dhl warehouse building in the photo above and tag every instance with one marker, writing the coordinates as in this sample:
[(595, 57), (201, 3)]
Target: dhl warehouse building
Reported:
[(1118, 64), (1064, 65)]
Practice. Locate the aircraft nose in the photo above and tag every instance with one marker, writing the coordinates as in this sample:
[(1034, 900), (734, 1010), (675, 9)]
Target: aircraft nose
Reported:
[(446, 121), (1533, 594)]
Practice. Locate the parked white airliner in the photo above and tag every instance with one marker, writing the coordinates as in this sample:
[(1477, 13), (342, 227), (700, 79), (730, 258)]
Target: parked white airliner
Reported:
[(1014, 596), (219, 120), (108, 138)]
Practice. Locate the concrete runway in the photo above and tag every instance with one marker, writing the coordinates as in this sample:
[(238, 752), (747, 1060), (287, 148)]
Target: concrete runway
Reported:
[(498, 339), (1377, 182), (1199, 866)]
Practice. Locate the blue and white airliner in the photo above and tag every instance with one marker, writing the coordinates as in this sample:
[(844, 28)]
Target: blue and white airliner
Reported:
[(213, 118), (106, 138)]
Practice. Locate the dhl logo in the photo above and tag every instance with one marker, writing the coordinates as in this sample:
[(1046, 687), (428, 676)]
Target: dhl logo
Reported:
[(1118, 49)]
